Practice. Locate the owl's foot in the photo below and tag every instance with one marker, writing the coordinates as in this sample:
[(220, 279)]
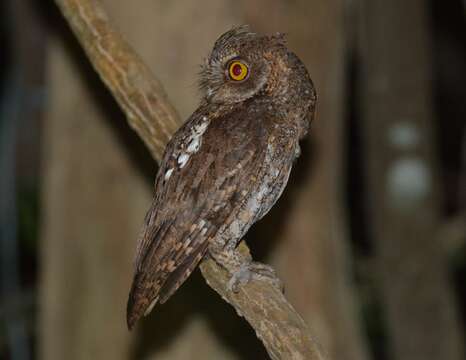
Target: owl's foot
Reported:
[(243, 270), (254, 270)]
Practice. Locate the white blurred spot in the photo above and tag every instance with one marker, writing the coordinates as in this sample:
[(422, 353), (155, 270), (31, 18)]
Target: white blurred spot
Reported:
[(403, 135), (408, 182)]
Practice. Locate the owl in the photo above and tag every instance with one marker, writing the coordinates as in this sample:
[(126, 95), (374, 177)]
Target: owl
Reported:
[(225, 167)]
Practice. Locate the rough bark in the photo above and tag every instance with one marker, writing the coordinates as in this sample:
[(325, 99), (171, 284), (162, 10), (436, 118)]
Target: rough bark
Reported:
[(274, 321), (132, 85), (137, 91), (403, 189)]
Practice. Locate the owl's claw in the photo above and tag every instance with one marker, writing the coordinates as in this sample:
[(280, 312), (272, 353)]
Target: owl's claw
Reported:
[(254, 270)]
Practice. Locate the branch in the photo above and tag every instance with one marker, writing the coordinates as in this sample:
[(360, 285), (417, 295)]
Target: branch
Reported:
[(140, 95), (282, 330)]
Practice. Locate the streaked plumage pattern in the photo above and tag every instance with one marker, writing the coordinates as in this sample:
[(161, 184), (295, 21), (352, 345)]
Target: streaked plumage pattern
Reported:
[(226, 166)]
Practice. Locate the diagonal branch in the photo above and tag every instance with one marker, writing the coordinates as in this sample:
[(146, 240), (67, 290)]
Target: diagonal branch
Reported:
[(140, 95), (137, 91)]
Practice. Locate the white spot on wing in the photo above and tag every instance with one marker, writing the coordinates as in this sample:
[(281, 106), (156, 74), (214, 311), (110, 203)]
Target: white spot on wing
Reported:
[(201, 128), (183, 159), (168, 174), (194, 141), (194, 145)]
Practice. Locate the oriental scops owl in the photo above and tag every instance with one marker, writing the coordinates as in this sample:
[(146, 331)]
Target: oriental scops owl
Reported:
[(226, 166)]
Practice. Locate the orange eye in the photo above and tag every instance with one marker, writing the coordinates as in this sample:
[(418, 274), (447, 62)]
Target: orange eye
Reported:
[(238, 70)]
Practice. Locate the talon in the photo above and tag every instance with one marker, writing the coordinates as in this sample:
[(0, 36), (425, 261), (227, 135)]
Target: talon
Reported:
[(240, 277), (257, 271)]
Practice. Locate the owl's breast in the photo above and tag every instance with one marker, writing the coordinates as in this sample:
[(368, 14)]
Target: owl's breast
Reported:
[(277, 166), (265, 186)]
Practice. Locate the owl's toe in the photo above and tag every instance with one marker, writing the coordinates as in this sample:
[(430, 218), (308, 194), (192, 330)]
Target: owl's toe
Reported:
[(256, 271)]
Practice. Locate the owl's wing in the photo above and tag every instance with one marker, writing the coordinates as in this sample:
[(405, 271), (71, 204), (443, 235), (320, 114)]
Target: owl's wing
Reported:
[(195, 194)]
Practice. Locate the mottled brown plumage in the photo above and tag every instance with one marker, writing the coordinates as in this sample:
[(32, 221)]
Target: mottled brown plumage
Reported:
[(226, 166)]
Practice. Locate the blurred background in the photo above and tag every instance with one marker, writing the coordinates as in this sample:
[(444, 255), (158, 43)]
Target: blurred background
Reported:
[(369, 237)]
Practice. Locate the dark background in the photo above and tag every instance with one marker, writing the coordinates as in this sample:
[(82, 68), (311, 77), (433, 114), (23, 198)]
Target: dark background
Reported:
[(369, 237)]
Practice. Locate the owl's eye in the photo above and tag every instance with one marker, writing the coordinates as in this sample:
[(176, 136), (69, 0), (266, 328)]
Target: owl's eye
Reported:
[(238, 70)]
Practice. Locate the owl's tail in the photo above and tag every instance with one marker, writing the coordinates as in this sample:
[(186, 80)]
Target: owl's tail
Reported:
[(148, 289), (139, 303)]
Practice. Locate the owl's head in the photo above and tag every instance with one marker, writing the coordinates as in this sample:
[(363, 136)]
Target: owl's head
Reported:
[(240, 66)]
